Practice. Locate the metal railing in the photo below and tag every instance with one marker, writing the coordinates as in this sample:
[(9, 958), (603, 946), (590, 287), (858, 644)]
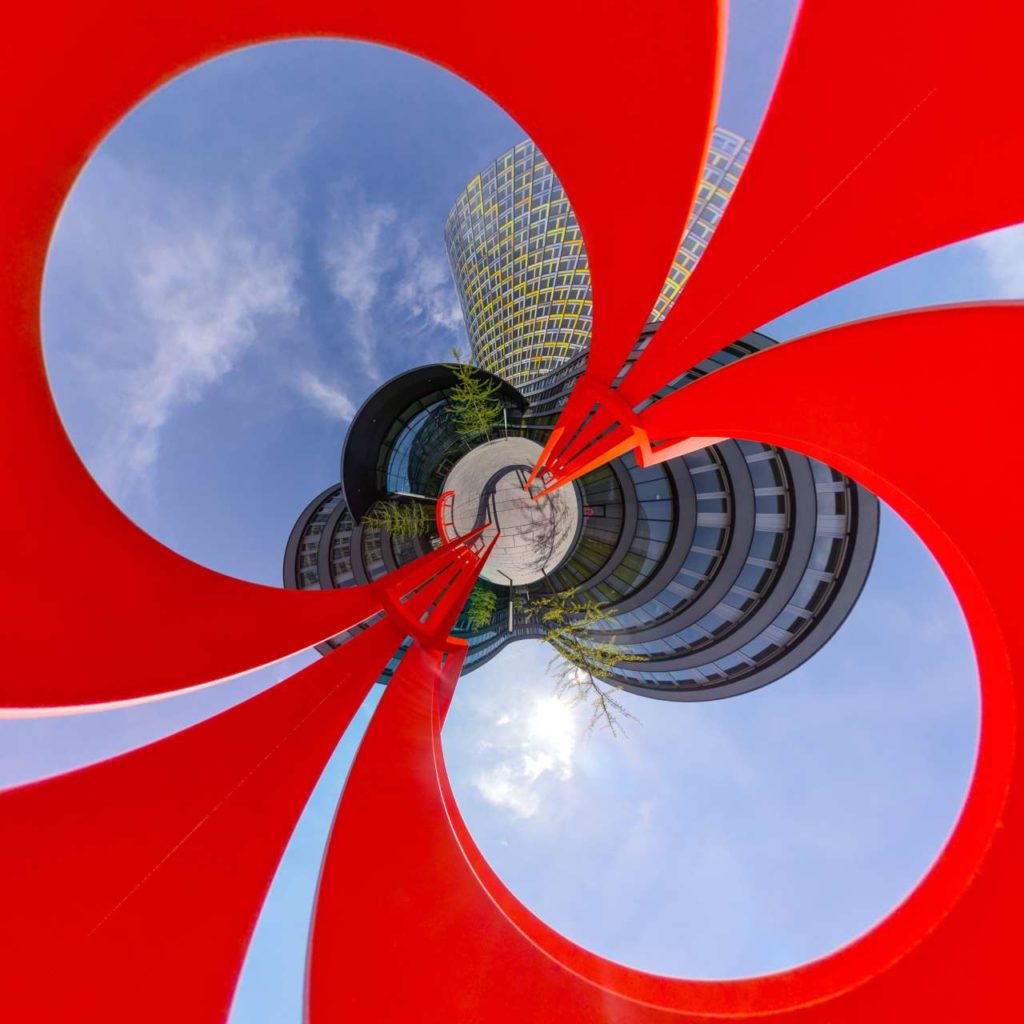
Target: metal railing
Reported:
[(445, 516)]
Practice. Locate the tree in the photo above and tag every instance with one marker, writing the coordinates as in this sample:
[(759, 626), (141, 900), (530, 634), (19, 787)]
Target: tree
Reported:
[(472, 406), (399, 518), (580, 670), (581, 665), (480, 607)]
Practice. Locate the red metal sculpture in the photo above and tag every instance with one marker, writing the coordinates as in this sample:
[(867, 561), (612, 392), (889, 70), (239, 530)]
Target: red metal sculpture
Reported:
[(151, 867), (128, 889), (879, 144)]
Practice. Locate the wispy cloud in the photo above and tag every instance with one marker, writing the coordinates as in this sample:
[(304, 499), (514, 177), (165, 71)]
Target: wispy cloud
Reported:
[(426, 290), (202, 288), (328, 398), (179, 288), (389, 275), (524, 746), (357, 257), (1003, 253)]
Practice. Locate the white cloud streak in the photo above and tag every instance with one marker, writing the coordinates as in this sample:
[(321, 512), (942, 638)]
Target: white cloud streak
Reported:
[(356, 257), (178, 291), (328, 398), (203, 292), (1003, 255), (385, 275), (426, 290)]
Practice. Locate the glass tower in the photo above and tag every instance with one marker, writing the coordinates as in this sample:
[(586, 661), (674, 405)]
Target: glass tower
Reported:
[(521, 272)]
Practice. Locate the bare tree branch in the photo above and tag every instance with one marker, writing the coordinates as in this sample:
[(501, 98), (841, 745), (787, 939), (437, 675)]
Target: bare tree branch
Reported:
[(581, 665)]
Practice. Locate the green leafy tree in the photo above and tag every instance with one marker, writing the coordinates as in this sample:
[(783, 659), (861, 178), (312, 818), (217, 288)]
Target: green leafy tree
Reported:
[(400, 518), (581, 665), (472, 404), (480, 607)]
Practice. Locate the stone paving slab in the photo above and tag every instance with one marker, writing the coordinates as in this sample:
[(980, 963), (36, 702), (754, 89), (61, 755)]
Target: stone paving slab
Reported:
[(536, 535)]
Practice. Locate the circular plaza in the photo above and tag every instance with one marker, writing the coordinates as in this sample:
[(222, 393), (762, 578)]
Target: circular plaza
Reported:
[(535, 534)]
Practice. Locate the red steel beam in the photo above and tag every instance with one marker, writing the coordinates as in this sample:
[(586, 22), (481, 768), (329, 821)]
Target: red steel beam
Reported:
[(104, 678), (70, 71), (442, 528), (138, 880), (431, 931), (130, 888), (853, 170), (412, 923)]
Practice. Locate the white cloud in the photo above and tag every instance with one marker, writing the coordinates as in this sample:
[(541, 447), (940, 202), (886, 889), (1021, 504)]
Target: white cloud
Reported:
[(328, 398), (383, 271), (1003, 254), (527, 747), (357, 254), (426, 290), (178, 291), (203, 292)]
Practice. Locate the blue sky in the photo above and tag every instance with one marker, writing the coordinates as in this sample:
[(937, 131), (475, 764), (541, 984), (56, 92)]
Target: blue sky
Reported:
[(248, 254)]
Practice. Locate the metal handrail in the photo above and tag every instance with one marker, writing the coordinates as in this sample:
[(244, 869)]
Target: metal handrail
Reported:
[(447, 499), (446, 524)]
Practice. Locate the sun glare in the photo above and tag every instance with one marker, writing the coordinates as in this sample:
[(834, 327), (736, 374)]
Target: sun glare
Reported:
[(552, 727)]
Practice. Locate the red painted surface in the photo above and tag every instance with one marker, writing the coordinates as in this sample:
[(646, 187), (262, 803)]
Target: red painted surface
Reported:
[(69, 71), (898, 130), (130, 889), (883, 140), (137, 882), (414, 891)]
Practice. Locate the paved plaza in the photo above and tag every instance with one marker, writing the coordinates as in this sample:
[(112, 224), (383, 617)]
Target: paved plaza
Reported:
[(536, 535)]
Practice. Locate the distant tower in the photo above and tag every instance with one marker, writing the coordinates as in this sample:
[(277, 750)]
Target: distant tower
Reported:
[(517, 255)]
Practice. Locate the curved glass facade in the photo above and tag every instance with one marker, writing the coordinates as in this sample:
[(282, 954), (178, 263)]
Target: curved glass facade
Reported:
[(719, 570), (716, 572)]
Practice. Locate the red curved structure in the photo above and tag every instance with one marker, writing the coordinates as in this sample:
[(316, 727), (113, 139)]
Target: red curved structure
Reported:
[(444, 515), (129, 888), (904, 167)]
